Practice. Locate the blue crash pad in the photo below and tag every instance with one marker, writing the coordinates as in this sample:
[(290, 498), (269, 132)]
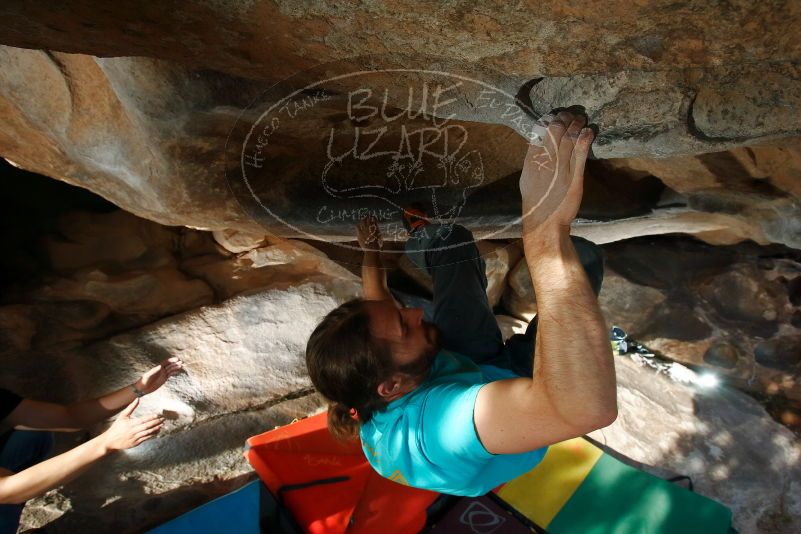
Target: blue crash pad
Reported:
[(237, 511)]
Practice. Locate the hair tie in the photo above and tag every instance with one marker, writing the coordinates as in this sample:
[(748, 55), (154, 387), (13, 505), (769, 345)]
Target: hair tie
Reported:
[(353, 414)]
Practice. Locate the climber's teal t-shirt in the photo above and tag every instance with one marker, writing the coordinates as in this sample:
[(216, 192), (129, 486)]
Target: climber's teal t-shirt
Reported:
[(427, 438)]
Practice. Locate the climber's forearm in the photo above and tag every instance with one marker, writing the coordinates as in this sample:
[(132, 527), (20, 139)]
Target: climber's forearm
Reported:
[(374, 277), (573, 358)]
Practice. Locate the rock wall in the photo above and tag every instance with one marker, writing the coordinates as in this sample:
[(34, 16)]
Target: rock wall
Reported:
[(153, 106), (720, 438), (243, 347), (125, 293), (149, 105), (270, 40), (733, 310)]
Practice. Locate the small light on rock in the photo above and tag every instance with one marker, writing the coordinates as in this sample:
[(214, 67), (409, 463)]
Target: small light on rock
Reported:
[(707, 380)]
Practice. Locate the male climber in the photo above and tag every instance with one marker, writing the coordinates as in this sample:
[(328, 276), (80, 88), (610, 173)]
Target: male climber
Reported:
[(444, 405)]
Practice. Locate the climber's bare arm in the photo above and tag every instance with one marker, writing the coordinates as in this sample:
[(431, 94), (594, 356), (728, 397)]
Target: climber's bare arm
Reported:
[(374, 276), (573, 389)]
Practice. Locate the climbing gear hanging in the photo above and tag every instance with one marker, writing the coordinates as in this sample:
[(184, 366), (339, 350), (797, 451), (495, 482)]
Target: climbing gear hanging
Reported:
[(621, 344)]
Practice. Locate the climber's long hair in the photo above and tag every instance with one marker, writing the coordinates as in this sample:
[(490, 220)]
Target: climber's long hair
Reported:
[(346, 365)]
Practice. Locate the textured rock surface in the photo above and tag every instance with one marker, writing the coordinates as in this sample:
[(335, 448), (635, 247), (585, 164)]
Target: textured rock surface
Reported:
[(725, 441), (664, 113), (243, 37), (109, 273), (237, 241), (753, 191), (730, 309), (103, 273), (518, 297), (245, 370), (149, 104), (499, 259), (158, 133), (245, 364), (283, 263), (510, 326)]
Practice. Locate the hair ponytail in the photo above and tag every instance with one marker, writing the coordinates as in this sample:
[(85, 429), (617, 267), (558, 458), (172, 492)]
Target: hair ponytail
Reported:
[(342, 422), (346, 366)]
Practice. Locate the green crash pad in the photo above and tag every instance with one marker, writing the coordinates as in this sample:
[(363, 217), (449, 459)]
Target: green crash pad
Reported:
[(579, 488)]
